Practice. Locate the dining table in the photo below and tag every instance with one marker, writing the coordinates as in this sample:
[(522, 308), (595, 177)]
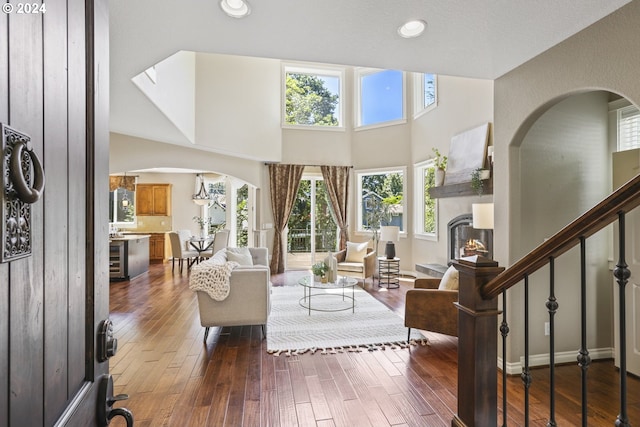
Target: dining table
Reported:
[(201, 244)]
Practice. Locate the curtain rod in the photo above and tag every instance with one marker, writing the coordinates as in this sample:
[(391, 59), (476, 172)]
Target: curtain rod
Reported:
[(315, 166)]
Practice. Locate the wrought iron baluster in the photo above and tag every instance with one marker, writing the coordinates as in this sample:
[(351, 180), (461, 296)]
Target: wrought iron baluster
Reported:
[(552, 307), (526, 373), (504, 331), (622, 274), (583, 355)]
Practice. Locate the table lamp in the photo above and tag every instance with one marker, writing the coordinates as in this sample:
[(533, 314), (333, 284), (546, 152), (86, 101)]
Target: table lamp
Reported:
[(482, 215), (390, 233)]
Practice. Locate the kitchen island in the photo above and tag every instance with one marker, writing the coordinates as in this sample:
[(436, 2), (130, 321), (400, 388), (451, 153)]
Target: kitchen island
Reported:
[(128, 256)]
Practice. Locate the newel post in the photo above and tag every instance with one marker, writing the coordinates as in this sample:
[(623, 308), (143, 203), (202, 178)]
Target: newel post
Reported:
[(477, 345)]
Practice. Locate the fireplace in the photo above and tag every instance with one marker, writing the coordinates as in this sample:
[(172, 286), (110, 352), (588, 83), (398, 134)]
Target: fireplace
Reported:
[(464, 240)]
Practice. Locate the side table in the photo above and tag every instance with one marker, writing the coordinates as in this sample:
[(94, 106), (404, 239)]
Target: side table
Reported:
[(389, 272)]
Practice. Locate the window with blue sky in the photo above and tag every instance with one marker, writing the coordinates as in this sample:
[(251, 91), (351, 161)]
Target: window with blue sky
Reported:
[(380, 97)]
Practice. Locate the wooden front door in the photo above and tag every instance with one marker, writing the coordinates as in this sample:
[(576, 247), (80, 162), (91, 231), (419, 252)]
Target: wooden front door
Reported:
[(54, 88)]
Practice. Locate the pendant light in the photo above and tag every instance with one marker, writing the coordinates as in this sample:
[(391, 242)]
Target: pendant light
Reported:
[(202, 197), (123, 185)]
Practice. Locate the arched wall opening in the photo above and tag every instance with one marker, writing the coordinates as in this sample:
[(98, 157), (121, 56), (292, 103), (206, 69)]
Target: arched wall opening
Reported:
[(559, 167)]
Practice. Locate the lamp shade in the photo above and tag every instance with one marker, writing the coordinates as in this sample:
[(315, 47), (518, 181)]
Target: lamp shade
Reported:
[(389, 233), (482, 215)]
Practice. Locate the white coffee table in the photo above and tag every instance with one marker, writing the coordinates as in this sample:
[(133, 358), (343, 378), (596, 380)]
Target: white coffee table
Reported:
[(317, 289)]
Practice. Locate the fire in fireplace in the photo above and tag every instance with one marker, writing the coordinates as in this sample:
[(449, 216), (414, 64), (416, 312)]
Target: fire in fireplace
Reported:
[(464, 240)]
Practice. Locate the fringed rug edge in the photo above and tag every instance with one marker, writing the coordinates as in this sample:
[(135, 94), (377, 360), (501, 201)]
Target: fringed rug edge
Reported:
[(351, 348)]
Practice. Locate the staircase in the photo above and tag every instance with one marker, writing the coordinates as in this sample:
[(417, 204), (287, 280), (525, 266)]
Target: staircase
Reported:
[(483, 282)]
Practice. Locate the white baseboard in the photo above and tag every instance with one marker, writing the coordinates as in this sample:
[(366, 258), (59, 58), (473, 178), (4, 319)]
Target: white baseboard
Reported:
[(515, 368)]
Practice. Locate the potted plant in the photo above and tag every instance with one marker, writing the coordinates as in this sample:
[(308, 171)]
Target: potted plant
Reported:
[(477, 176), (202, 222), (378, 214), (319, 270), (440, 163)]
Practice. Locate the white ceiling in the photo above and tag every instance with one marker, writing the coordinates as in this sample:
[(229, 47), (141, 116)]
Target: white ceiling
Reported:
[(470, 38)]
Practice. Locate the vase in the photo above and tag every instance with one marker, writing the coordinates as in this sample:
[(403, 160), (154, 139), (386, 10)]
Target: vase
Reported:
[(316, 278), (439, 177), (203, 233), (324, 279)]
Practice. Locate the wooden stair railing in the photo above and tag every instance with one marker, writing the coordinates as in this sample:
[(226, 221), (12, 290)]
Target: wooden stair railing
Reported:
[(482, 281)]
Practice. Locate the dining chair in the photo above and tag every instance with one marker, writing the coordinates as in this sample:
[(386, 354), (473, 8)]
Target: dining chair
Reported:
[(220, 241), (180, 252)]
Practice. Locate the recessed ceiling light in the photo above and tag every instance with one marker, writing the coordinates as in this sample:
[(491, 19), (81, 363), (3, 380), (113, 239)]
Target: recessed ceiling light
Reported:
[(412, 29), (235, 8)]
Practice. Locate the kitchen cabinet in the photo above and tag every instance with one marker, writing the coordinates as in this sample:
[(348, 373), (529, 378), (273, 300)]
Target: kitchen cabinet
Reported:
[(157, 247), (153, 199)]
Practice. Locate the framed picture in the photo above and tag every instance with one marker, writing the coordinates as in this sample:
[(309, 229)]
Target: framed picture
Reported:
[(467, 153)]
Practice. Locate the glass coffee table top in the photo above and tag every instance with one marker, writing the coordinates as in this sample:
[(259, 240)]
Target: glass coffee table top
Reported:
[(336, 291)]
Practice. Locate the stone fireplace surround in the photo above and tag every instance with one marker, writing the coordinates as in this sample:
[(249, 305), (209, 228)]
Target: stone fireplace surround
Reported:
[(462, 240)]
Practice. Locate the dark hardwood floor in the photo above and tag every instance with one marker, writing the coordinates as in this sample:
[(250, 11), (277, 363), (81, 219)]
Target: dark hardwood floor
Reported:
[(173, 379)]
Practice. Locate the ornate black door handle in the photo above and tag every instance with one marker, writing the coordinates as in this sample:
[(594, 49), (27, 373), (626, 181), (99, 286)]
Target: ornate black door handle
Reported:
[(106, 399), (16, 173), (23, 184)]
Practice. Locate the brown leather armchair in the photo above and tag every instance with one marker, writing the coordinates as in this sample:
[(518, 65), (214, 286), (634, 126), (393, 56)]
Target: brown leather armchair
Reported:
[(365, 269), (431, 309)]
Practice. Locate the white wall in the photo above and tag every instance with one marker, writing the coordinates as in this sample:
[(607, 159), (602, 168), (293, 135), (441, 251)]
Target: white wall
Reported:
[(127, 153), (174, 91), (238, 106)]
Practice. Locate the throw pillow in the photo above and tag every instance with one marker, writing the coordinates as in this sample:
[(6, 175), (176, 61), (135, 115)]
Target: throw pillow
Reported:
[(240, 255), (449, 280), (356, 251)]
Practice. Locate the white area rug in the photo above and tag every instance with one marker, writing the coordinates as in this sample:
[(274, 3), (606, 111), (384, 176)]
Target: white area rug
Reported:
[(291, 330)]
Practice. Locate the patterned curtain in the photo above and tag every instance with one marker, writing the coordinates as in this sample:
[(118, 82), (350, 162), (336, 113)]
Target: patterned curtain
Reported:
[(119, 181), (284, 181), (336, 179)]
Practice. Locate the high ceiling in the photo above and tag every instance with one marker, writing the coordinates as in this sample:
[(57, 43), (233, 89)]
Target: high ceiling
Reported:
[(479, 38)]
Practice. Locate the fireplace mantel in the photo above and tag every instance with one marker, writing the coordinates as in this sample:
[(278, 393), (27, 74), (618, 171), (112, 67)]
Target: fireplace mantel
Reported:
[(460, 189)]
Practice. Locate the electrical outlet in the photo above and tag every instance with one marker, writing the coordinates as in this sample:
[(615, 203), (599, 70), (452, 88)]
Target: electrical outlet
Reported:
[(547, 328)]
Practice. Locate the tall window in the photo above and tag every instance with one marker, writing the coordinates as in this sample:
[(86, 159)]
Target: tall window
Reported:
[(380, 97), (426, 220), (121, 205), (628, 128), (382, 199), (425, 93), (312, 97), (242, 216)]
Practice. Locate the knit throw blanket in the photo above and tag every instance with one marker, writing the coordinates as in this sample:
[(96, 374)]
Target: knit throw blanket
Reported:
[(212, 279)]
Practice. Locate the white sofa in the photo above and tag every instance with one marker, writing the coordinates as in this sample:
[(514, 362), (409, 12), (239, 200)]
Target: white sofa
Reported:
[(248, 302)]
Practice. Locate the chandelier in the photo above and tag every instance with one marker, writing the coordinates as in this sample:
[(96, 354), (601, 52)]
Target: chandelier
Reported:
[(202, 197)]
